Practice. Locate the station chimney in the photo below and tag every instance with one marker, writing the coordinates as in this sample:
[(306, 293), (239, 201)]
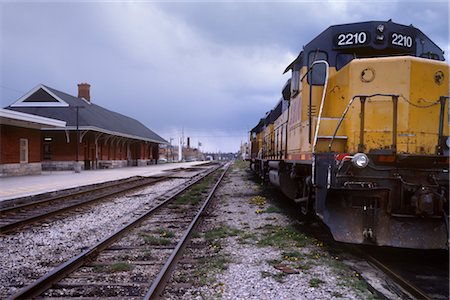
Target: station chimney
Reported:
[(84, 91)]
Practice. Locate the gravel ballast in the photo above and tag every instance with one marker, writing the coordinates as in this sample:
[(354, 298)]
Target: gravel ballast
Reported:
[(33, 252), (246, 248)]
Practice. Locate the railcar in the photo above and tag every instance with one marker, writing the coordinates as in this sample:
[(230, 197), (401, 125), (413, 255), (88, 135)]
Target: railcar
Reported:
[(360, 137)]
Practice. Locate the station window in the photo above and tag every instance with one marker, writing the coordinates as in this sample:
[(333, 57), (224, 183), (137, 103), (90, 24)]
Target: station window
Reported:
[(319, 70), (23, 150)]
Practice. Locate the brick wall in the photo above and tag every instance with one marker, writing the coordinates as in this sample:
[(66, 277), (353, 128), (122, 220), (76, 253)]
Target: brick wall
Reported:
[(10, 144)]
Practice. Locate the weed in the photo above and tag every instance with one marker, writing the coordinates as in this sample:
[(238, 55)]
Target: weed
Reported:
[(99, 269), (195, 234), (211, 265), (220, 232), (291, 255), (258, 200), (120, 267), (154, 240), (165, 233), (272, 209), (282, 237), (274, 262), (315, 282), (279, 277), (247, 238), (314, 254), (240, 165), (304, 266), (220, 262), (194, 194), (337, 295)]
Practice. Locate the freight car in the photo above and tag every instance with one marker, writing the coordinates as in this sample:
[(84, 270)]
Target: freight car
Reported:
[(360, 135)]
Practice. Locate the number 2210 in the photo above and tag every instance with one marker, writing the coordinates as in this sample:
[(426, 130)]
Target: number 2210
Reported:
[(352, 38), (402, 40)]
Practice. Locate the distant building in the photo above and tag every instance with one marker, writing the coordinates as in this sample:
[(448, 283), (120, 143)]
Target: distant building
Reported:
[(244, 151), (106, 139), (170, 153), (219, 156), (21, 143)]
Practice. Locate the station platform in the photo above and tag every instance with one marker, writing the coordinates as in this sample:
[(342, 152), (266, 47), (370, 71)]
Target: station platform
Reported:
[(50, 181)]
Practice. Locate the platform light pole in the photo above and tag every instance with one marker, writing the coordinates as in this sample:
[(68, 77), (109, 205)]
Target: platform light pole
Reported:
[(171, 150), (77, 167)]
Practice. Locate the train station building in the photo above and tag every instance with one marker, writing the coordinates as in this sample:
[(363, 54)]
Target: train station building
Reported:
[(106, 139)]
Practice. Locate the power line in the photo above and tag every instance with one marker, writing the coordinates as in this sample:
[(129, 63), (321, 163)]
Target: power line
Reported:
[(11, 89)]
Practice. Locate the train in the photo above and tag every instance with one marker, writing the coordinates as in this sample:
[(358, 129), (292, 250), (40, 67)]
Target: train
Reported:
[(360, 136)]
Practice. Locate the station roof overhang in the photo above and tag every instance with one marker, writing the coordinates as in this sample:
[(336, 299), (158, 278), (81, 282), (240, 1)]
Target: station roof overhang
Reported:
[(105, 131), (20, 119)]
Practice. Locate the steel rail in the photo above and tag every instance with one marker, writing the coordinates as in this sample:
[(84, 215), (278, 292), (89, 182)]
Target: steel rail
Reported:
[(45, 282), (158, 285), (409, 287), (397, 278), (25, 221), (13, 207)]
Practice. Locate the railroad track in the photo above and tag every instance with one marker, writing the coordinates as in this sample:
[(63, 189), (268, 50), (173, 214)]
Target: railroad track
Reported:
[(422, 274), (136, 260), (16, 216)]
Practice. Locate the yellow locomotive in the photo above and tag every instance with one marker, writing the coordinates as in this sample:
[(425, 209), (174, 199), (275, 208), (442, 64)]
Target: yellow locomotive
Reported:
[(360, 137)]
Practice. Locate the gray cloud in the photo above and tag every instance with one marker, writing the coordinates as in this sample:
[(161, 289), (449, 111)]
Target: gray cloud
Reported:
[(211, 68)]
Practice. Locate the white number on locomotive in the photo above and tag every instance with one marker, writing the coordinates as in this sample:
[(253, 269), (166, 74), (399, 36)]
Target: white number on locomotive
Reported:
[(347, 39), (402, 40)]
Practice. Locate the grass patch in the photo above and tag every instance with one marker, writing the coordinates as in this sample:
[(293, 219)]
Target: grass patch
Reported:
[(258, 200), (155, 240), (120, 267), (240, 164), (315, 282), (304, 266), (278, 277), (315, 254), (221, 232), (337, 295), (208, 266), (165, 233), (282, 237), (195, 193), (272, 209), (274, 262), (247, 238), (292, 255), (99, 269), (147, 255), (195, 234)]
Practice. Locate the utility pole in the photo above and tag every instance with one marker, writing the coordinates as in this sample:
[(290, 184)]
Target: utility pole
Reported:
[(77, 167), (180, 149), (171, 150)]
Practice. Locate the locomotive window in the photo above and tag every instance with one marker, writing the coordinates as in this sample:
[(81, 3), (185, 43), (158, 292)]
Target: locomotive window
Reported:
[(319, 71), (286, 92), (295, 82), (343, 59)]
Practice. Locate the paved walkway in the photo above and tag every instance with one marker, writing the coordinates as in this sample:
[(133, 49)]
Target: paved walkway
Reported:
[(22, 186)]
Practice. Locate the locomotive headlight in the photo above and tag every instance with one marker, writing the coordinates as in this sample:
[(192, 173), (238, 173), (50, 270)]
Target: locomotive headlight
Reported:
[(380, 34), (360, 160), (380, 28)]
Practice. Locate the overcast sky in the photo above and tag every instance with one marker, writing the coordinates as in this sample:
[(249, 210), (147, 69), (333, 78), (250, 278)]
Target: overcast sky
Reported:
[(210, 68)]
